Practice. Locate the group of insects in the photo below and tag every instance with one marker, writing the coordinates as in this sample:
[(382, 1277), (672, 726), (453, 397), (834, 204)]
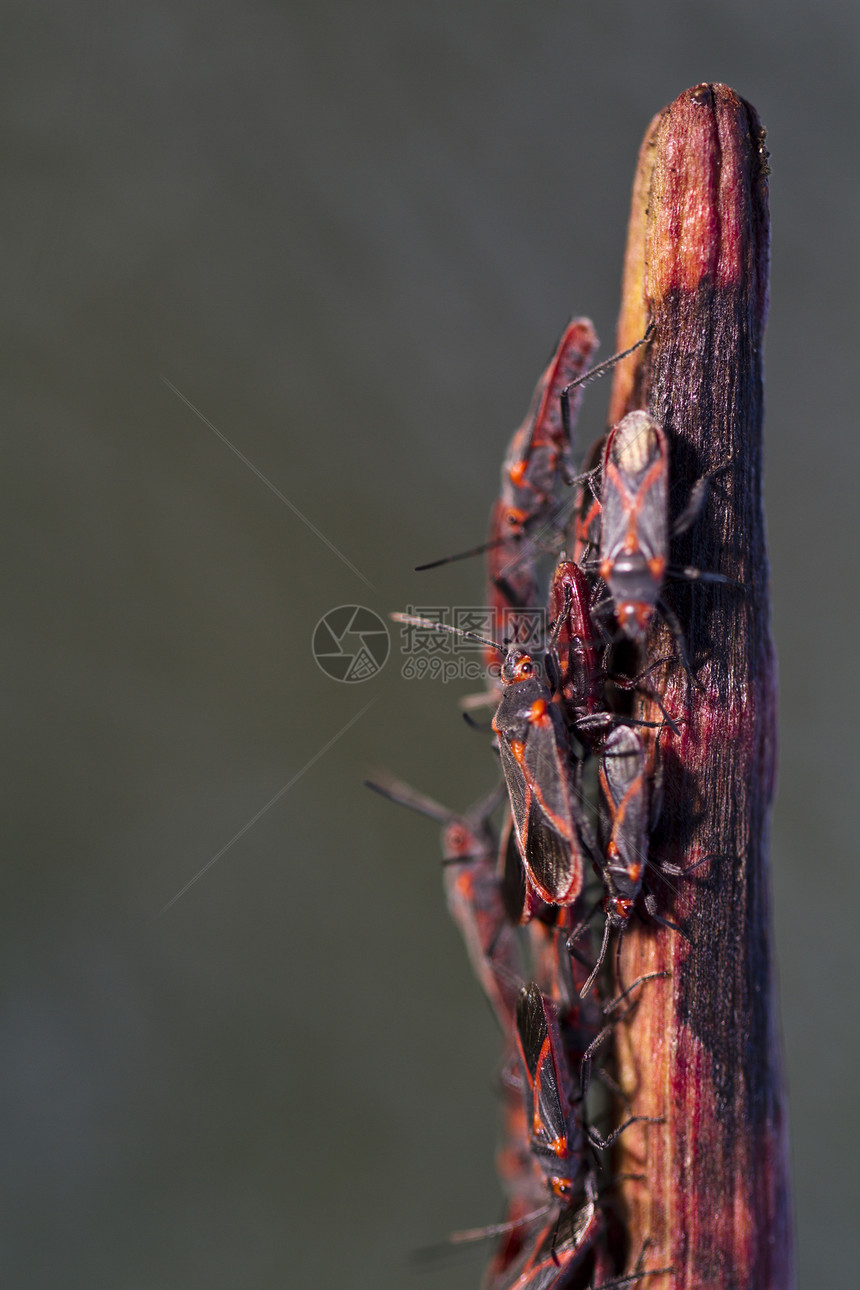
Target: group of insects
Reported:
[(574, 814)]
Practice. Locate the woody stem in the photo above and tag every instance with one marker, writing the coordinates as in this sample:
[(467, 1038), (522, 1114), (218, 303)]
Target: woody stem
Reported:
[(709, 1187)]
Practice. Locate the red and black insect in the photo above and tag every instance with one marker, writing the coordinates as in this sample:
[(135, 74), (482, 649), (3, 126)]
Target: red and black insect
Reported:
[(539, 454), (537, 461), (569, 1223), (542, 775), (546, 1255), (634, 519), (544, 782), (635, 531), (629, 791), (559, 1142), (557, 1135), (579, 650), (581, 654), (473, 891)]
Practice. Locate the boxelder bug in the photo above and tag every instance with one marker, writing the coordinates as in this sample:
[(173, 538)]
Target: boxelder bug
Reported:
[(634, 519), (543, 780), (538, 459), (558, 1140), (579, 654), (545, 1258), (581, 659), (539, 455), (556, 1134), (542, 776), (634, 539), (473, 891), (629, 791)]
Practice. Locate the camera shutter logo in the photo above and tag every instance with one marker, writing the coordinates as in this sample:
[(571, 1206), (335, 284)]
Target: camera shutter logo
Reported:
[(351, 643)]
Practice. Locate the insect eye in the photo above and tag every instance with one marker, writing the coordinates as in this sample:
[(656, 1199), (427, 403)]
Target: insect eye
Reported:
[(457, 839)]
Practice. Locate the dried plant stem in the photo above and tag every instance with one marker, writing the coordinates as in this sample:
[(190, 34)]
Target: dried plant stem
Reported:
[(702, 1050)]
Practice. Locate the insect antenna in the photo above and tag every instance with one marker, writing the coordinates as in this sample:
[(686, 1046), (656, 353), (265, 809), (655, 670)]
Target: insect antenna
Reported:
[(594, 373), (393, 790), (411, 621), (497, 1229), (462, 555), (482, 727)]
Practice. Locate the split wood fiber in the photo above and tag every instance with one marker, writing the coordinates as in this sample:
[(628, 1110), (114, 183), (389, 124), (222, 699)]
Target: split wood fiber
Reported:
[(702, 1050)]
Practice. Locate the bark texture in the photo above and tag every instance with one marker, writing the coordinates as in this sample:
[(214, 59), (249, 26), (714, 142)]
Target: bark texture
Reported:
[(702, 1050)]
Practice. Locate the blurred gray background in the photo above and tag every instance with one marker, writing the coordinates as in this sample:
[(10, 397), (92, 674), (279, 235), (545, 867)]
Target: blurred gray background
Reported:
[(349, 234)]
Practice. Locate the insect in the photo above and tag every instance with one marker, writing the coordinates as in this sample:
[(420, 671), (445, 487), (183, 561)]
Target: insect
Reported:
[(629, 789), (539, 454), (557, 1135), (473, 891), (581, 658), (633, 556), (538, 459), (543, 1246), (558, 1140), (546, 1254), (578, 649), (543, 778), (634, 519)]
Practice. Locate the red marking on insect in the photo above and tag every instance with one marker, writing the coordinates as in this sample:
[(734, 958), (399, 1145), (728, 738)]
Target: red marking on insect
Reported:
[(538, 715), (517, 473)]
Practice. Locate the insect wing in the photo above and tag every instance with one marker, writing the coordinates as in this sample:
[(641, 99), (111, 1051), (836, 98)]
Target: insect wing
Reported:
[(475, 902), (513, 877), (552, 1252), (544, 421), (625, 789), (578, 642), (634, 496), (554, 865), (615, 503), (652, 488), (546, 1099), (518, 791), (572, 356), (623, 764), (539, 777), (512, 582), (546, 766)]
